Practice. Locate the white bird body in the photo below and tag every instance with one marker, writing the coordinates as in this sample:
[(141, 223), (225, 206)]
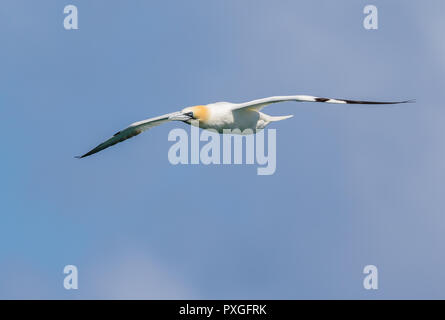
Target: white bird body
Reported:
[(221, 116)]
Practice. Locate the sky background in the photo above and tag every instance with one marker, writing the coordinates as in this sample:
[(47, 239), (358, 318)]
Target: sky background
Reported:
[(354, 185)]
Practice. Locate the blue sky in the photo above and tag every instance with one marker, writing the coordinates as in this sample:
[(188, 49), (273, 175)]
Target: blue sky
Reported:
[(353, 186)]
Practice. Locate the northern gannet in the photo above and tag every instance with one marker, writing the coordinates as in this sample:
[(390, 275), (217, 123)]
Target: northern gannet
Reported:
[(220, 116)]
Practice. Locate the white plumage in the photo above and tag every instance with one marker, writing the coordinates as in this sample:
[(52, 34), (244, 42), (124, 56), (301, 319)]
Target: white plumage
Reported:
[(223, 115)]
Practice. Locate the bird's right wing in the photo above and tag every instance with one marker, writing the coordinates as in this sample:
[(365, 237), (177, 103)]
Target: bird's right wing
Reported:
[(132, 130)]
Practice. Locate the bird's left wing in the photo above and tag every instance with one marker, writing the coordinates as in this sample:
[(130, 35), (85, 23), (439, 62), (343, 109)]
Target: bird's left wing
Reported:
[(261, 103), (132, 130)]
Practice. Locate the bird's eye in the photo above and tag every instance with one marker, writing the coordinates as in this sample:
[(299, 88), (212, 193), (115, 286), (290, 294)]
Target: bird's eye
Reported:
[(190, 114)]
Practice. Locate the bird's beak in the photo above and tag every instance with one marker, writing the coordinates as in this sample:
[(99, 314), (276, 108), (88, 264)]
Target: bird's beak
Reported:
[(180, 116)]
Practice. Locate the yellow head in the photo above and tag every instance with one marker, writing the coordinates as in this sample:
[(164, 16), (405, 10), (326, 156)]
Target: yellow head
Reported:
[(200, 113)]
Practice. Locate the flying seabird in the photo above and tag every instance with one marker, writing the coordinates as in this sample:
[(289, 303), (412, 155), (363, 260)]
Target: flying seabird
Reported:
[(221, 116)]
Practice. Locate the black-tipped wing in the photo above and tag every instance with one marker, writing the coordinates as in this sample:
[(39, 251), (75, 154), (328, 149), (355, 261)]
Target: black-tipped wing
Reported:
[(261, 103), (132, 130)]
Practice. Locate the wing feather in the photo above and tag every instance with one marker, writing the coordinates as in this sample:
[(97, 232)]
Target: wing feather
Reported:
[(132, 130), (261, 103)]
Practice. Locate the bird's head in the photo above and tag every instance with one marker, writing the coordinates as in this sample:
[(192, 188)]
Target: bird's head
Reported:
[(188, 114)]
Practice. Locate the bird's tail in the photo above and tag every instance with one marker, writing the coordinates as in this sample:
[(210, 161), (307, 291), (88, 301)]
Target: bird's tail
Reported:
[(278, 118)]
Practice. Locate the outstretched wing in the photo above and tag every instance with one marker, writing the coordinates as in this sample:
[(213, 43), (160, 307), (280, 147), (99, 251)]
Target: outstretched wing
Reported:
[(261, 103), (132, 130)]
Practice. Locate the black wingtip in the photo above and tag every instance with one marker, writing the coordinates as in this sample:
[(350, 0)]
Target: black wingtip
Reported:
[(404, 101), (376, 102)]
